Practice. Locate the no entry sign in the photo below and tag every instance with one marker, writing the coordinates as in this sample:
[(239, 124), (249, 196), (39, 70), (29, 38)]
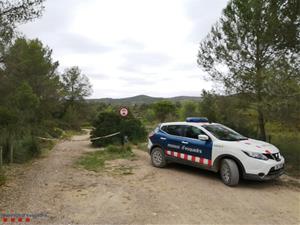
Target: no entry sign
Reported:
[(124, 111)]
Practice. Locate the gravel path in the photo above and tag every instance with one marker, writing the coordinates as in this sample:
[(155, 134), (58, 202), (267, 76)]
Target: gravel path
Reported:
[(177, 194)]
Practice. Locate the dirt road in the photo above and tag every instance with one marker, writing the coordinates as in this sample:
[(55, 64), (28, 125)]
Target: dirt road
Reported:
[(175, 195)]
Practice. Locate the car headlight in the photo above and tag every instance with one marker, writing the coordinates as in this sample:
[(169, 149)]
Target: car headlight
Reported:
[(256, 155)]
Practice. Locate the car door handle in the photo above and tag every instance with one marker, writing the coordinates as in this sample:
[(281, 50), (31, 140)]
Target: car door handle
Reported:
[(184, 142), (162, 138)]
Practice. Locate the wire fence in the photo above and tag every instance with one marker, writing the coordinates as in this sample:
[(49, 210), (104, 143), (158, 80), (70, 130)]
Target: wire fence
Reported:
[(87, 139), (11, 152)]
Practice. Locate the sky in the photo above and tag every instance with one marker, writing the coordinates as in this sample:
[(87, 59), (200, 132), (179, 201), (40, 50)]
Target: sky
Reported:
[(131, 47)]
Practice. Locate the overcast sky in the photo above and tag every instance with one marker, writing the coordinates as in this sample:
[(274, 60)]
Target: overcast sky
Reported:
[(130, 47)]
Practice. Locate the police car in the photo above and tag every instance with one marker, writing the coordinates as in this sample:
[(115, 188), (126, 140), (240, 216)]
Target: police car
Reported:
[(214, 147)]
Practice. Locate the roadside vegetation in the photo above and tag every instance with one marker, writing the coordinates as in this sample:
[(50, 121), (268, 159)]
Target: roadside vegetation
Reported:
[(109, 121), (37, 101), (289, 145)]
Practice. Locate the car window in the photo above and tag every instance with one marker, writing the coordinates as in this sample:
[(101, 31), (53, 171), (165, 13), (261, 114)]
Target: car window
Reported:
[(192, 132), (164, 128), (174, 130), (224, 133)]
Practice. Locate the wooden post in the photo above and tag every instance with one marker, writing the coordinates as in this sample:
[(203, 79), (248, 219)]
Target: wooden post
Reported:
[(1, 160), (11, 154)]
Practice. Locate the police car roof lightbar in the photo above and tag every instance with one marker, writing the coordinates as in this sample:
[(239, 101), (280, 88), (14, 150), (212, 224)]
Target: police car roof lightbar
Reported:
[(197, 120)]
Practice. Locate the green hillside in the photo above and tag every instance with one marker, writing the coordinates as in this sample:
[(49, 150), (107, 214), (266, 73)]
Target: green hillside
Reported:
[(141, 99)]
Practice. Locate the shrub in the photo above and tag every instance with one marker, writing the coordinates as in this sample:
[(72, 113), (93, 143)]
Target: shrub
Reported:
[(25, 149), (109, 122), (72, 119)]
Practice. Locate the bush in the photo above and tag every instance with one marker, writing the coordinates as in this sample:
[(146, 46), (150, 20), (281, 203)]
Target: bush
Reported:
[(25, 149), (110, 122), (289, 146), (164, 110), (72, 119)]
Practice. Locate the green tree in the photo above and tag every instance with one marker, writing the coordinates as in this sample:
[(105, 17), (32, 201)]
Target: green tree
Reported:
[(26, 104), (31, 62), (12, 13), (18, 100), (31, 94), (188, 109), (76, 85), (164, 109), (208, 106), (246, 46)]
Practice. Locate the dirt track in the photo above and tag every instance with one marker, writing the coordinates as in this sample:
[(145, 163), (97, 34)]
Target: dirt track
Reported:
[(175, 195)]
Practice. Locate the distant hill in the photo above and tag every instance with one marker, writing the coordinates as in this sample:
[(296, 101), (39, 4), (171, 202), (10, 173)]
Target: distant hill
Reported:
[(141, 99)]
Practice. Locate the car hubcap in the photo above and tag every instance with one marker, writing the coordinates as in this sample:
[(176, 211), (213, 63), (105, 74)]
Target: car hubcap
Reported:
[(225, 173), (157, 158)]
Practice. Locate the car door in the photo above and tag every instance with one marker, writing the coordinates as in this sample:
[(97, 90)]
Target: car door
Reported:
[(198, 151), (174, 140)]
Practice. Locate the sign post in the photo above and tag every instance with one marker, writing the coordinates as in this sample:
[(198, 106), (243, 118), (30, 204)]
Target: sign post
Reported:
[(124, 113)]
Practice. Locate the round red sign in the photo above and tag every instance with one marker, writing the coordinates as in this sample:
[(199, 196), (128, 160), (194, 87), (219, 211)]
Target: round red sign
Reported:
[(124, 111)]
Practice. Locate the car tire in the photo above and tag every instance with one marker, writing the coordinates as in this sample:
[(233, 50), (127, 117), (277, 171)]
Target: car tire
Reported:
[(158, 158), (229, 172)]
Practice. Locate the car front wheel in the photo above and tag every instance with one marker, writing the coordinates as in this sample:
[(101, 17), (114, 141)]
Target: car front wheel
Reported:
[(158, 158), (229, 172)]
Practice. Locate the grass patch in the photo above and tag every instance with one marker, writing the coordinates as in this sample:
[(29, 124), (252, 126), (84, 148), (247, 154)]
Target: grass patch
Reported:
[(119, 170), (289, 146), (95, 161)]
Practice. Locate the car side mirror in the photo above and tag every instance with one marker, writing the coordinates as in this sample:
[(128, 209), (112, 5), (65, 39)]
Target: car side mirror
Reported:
[(203, 137)]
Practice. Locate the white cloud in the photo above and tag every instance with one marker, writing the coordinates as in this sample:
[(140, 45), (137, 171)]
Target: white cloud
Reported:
[(130, 47)]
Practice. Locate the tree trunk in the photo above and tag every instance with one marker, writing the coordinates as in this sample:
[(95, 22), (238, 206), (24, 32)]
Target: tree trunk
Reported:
[(259, 84), (261, 124)]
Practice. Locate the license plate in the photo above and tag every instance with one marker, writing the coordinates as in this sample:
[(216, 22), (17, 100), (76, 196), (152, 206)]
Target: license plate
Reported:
[(279, 166)]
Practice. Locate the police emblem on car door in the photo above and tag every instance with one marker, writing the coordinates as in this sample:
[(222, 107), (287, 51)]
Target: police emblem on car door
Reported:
[(197, 150)]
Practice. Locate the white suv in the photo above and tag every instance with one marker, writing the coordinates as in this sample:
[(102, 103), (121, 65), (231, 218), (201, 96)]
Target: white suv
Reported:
[(215, 147)]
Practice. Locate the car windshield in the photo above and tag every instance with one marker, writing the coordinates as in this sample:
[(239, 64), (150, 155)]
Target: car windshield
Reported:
[(224, 133)]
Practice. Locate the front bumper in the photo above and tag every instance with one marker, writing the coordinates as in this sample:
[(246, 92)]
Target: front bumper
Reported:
[(262, 168), (272, 174)]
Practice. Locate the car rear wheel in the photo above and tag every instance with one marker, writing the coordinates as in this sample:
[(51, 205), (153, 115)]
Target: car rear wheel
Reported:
[(229, 172), (158, 158)]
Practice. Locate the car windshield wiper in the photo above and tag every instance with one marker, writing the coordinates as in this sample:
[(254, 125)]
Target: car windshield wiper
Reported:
[(228, 139), (233, 139)]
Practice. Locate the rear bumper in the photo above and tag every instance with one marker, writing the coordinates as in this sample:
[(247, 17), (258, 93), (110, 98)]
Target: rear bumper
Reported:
[(273, 174)]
